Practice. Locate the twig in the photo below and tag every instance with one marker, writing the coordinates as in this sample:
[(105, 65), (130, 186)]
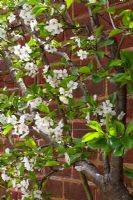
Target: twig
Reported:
[(86, 186), (111, 19)]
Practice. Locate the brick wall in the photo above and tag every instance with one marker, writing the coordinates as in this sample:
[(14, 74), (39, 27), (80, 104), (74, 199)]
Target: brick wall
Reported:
[(66, 185)]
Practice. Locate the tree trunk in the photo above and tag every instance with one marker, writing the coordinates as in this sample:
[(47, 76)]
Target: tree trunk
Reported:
[(116, 191)]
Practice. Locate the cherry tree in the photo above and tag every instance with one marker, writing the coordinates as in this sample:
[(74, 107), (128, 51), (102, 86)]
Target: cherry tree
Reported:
[(30, 32)]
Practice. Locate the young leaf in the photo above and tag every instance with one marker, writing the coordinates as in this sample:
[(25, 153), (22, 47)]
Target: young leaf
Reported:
[(115, 32), (69, 3), (7, 129), (90, 136), (51, 163), (84, 70), (129, 128), (43, 108), (95, 126)]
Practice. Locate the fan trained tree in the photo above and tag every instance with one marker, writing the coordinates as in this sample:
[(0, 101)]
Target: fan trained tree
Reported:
[(30, 33)]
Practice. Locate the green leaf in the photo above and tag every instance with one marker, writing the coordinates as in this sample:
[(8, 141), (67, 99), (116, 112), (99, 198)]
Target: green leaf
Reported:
[(100, 54), (51, 163), (130, 87), (99, 31), (115, 32), (95, 126), (7, 129), (112, 131), (111, 10), (38, 10), (129, 128), (127, 58), (119, 151), (69, 3), (106, 43), (30, 143), (119, 126), (122, 77), (115, 63), (84, 70), (128, 172), (43, 108), (96, 78), (91, 136)]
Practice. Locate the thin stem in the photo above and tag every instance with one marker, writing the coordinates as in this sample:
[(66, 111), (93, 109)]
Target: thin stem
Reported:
[(86, 186), (111, 19)]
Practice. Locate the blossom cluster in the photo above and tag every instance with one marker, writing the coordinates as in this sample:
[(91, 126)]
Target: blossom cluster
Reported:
[(20, 126), (18, 182), (34, 103), (23, 52), (103, 110), (28, 17), (58, 75), (2, 32), (46, 126), (50, 47), (31, 69), (71, 85)]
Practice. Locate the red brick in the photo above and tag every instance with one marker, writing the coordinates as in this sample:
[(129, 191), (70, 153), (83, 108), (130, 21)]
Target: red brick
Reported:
[(74, 191), (78, 8), (128, 158), (55, 187), (130, 108), (94, 88)]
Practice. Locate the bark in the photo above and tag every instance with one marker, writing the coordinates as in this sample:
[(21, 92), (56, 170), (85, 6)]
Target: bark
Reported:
[(110, 187), (116, 190)]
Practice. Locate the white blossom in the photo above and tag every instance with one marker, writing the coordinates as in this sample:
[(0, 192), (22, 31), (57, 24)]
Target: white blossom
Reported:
[(26, 15), (54, 27), (27, 164), (16, 36), (33, 25), (82, 54), (63, 99), (92, 1), (2, 33), (11, 18), (25, 117), (12, 120), (45, 69), (67, 158), (104, 109), (121, 115), (68, 93), (2, 118), (7, 150), (38, 194), (31, 69), (72, 85), (51, 48), (23, 52), (91, 37), (58, 75), (88, 117), (5, 177), (35, 102)]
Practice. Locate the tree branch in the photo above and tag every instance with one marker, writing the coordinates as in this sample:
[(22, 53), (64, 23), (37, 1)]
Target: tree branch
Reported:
[(8, 62), (91, 171)]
